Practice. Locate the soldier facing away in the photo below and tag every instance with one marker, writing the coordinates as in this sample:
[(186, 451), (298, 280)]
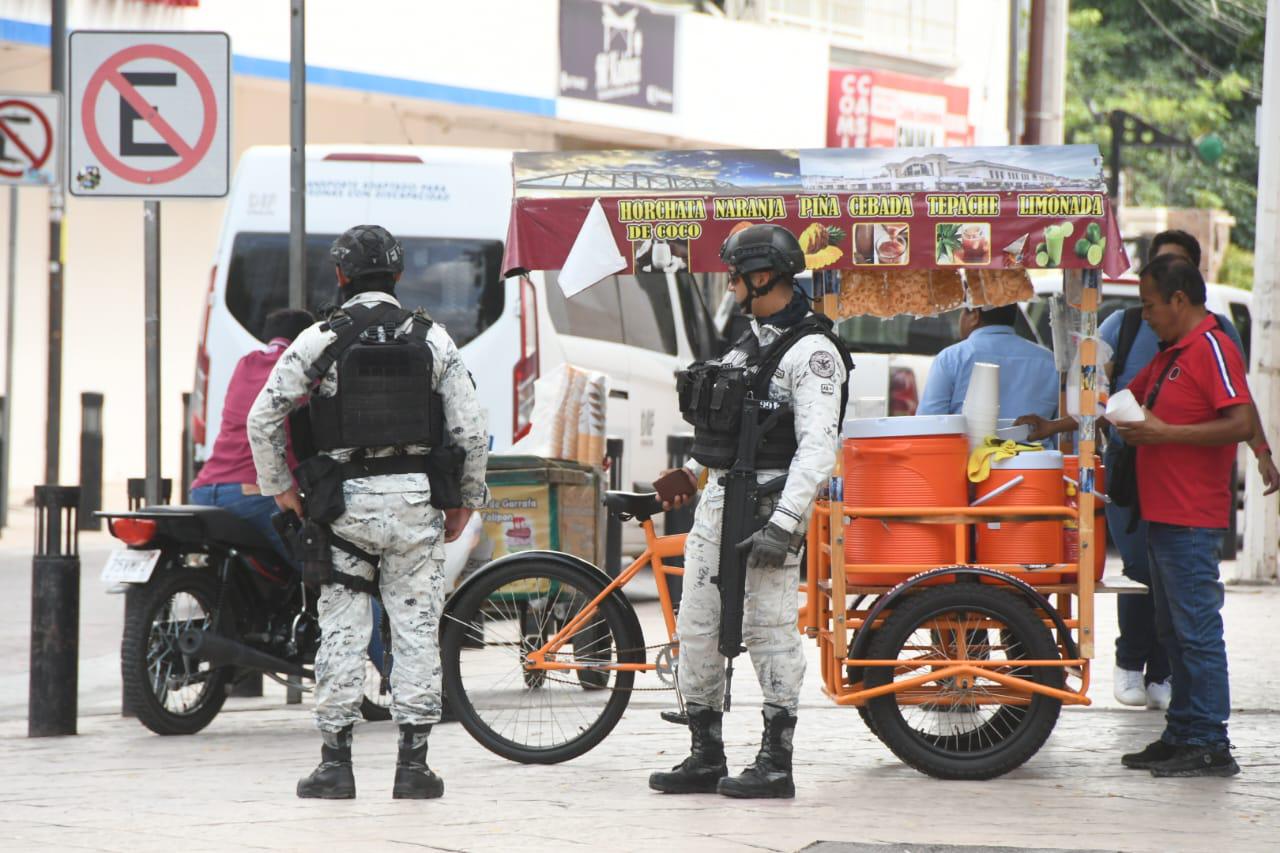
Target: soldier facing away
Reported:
[(402, 448)]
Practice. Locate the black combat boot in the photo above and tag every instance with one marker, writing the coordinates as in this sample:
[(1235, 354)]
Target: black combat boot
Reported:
[(333, 779), (699, 773), (414, 779), (770, 775)]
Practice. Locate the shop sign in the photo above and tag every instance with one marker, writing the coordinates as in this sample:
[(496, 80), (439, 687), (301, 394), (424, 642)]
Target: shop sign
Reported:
[(871, 108), (617, 53)]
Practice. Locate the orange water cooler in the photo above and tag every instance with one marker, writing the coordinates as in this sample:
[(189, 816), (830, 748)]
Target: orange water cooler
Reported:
[(1071, 535), (1028, 479), (903, 462)]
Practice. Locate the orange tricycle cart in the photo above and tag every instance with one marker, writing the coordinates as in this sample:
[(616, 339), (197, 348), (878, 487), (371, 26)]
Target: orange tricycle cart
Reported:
[(951, 593)]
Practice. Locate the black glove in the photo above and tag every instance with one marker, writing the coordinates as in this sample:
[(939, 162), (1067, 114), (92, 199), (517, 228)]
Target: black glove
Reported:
[(769, 547)]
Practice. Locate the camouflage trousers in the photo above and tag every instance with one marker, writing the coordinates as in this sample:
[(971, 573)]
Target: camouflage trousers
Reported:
[(408, 533), (769, 617)]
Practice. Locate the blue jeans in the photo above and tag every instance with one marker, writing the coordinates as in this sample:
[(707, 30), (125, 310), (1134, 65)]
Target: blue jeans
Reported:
[(255, 509), (1188, 598), (1138, 648)]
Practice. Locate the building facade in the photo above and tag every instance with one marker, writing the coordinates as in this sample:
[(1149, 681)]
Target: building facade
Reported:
[(527, 74)]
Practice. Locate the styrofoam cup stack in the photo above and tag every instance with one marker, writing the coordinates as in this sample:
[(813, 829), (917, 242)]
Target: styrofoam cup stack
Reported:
[(981, 407)]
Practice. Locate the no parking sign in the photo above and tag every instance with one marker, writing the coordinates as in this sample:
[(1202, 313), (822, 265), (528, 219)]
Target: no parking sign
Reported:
[(30, 138), (149, 114)]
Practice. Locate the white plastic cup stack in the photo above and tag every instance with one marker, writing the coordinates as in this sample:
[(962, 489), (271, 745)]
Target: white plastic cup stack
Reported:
[(981, 407), (1123, 407)]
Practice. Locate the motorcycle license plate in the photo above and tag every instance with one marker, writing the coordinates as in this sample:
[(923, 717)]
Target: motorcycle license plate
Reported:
[(126, 565)]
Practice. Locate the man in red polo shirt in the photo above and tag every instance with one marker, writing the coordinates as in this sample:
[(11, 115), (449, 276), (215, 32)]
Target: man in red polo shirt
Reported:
[(229, 479), (1197, 408)]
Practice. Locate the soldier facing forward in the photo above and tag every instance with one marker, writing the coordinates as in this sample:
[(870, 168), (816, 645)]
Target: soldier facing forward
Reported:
[(789, 356)]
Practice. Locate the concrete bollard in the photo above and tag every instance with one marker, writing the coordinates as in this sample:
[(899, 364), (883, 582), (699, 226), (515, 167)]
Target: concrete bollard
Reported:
[(4, 464), (55, 614), (138, 492), (90, 460), (188, 461)]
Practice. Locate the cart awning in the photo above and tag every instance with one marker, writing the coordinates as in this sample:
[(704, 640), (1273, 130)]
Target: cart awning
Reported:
[(594, 213)]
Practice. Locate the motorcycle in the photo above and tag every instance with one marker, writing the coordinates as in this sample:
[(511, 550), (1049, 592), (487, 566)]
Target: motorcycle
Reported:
[(210, 603)]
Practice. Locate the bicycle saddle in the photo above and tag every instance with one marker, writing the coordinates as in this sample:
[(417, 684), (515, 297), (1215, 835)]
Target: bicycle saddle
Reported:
[(638, 505)]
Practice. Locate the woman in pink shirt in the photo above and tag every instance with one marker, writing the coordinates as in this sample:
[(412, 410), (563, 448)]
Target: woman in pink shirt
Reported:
[(228, 479)]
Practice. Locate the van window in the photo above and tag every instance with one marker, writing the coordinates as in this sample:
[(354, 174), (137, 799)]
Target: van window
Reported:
[(1242, 321), (623, 309), (648, 320), (698, 323), (901, 334), (455, 280), (1038, 312), (912, 335), (592, 313)]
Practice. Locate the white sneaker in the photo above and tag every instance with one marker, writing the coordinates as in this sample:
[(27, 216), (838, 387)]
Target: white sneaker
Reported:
[(1159, 694), (1128, 687)]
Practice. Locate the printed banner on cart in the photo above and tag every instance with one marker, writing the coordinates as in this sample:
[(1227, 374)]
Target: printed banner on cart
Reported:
[(1031, 207)]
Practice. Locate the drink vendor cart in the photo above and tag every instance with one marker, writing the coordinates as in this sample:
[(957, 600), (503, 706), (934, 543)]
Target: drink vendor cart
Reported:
[(957, 623)]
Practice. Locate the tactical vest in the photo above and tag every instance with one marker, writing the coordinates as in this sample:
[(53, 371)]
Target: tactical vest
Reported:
[(385, 396), (711, 397)]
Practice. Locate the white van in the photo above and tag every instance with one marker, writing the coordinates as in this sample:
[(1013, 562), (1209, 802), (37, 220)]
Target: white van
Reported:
[(450, 208)]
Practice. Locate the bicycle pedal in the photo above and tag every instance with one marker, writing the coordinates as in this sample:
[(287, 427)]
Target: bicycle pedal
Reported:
[(680, 718)]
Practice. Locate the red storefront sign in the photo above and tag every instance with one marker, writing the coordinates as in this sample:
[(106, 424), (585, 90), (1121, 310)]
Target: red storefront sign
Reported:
[(868, 108)]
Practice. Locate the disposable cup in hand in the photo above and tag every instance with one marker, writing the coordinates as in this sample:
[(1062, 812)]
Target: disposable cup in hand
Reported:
[(1123, 407)]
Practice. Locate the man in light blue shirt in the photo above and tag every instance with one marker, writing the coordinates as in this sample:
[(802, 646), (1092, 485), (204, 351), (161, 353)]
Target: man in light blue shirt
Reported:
[(1028, 377)]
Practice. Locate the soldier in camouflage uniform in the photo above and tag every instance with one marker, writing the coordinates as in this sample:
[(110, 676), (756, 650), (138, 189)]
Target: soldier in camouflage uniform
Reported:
[(390, 516), (810, 378)]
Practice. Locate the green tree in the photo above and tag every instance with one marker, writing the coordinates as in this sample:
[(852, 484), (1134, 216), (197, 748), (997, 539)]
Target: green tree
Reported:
[(1125, 54)]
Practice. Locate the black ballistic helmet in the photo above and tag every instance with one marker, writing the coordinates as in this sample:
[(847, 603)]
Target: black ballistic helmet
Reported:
[(367, 249), (763, 247)]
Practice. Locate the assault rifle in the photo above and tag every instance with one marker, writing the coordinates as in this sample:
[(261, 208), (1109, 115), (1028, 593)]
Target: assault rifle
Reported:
[(742, 494)]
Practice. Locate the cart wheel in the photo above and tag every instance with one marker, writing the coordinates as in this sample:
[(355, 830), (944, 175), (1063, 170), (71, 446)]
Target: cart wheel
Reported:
[(973, 728)]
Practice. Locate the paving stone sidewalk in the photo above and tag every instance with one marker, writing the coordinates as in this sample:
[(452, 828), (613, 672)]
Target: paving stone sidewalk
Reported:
[(117, 787)]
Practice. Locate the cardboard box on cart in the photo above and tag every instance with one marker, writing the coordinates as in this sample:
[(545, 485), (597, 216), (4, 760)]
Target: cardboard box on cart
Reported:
[(540, 504)]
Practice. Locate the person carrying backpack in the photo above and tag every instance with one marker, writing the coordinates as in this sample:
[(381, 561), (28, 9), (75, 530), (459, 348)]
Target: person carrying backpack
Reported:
[(402, 445), (1141, 675)]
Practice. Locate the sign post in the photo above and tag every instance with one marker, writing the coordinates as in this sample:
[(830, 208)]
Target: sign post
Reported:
[(149, 118), (30, 146)]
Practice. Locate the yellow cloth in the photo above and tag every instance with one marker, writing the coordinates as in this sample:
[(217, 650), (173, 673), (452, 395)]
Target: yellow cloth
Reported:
[(992, 450)]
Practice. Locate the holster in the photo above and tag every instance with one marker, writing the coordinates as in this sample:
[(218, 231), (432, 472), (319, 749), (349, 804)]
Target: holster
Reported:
[(311, 544), (320, 482)]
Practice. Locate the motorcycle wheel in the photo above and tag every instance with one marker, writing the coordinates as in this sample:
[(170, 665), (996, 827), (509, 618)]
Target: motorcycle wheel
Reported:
[(172, 694)]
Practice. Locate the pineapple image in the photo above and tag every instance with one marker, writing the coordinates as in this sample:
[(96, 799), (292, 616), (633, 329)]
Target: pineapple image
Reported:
[(821, 245)]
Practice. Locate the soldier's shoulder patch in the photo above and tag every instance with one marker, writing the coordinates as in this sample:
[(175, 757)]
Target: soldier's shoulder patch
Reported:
[(822, 363)]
